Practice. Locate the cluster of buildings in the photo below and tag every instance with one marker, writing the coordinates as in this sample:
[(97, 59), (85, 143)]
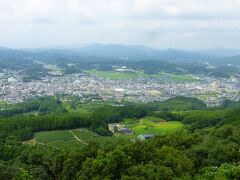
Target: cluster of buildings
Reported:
[(144, 89), (117, 128)]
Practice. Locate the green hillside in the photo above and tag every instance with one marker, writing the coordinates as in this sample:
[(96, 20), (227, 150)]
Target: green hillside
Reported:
[(191, 142)]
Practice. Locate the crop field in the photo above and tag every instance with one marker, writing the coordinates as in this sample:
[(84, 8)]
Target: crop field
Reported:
[(66, 144), (50, 66), (68, 139), (50, 136), (137, 74), (154, 93), (4, 105), (180, 78), (78, 138), (116, 74), (208, 95), (152, 125)]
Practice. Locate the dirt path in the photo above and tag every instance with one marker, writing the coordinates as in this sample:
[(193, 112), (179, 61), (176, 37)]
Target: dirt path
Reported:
[(77, 138), (31, 141)]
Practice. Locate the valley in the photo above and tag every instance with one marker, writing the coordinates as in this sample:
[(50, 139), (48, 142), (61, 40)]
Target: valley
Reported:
[(119, 90), (136, 86)]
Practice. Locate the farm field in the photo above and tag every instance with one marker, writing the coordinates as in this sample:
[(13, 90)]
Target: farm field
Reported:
[(50, 66), (50, 136), (208, 95), (180, 77), (78, 138), (152, 125), (116, 74), (68, 139), (137, 74), (5, 106)]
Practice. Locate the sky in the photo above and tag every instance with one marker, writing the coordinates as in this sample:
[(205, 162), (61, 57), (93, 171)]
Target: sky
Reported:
[(184, 24)]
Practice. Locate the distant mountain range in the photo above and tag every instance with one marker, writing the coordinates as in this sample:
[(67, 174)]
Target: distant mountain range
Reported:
[(126, 53), (140, 53), (234, 60)]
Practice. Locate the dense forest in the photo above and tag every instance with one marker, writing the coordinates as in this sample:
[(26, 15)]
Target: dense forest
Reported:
[(207, 148)]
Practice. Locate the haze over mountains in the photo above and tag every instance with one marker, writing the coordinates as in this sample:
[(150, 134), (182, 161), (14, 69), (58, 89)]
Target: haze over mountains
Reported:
[(219, 56)]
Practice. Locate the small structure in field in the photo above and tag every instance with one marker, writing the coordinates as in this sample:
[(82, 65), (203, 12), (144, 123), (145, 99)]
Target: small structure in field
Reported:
[(118, 128), (145, 137), (125, 130), (114, 127)]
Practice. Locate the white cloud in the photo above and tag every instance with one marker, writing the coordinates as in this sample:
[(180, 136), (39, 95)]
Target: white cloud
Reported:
[(160, 23)]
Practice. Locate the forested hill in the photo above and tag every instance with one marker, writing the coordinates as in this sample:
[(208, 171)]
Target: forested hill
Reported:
[(208, 146), (30, 63)]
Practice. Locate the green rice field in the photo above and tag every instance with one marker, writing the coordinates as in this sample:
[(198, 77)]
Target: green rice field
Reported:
[(152, 125), (137, 74), (116, 74)]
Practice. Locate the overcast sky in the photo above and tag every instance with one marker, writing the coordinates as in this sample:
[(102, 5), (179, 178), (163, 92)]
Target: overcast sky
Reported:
[(185, 24)]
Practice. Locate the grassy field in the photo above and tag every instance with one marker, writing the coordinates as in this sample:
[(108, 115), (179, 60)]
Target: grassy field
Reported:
[(68, 139), (4, 105), (137, 74), (180, 78), (78, 138), (53, 67), (208, 95), (152, 125), (116, 74), (154, 93), (50, 136), (50, 66), (66, 145)]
